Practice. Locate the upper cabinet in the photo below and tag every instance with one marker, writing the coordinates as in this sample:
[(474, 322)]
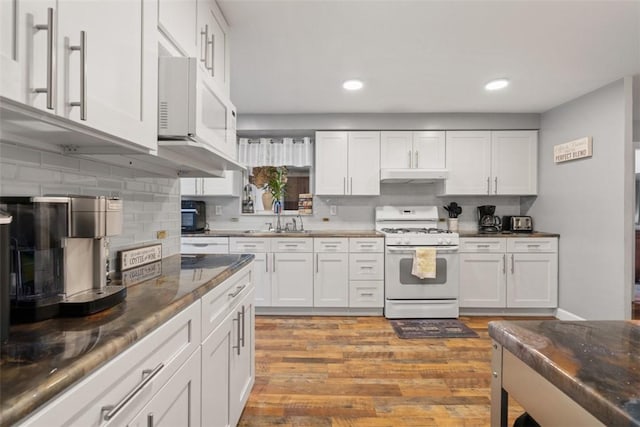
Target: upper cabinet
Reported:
[(348, 163), (412, 150), (69, 59), (491, 162)]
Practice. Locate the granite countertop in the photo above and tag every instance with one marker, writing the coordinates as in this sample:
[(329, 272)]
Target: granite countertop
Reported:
[(310, 233), (596, 363), (508, 234), (43, 359)]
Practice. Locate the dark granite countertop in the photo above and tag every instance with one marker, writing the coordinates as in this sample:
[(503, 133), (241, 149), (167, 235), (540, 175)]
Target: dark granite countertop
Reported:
[(595, 363), (309, 233), (43, 359), (508, 234)]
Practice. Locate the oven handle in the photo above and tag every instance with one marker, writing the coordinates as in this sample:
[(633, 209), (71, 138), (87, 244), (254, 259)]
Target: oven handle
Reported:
[(397, 250)]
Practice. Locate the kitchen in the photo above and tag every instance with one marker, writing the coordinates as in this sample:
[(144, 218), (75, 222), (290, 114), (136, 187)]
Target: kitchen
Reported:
[(600, 109)]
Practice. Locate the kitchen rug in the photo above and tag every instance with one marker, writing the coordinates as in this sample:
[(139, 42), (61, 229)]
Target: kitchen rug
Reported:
[(431, 328)]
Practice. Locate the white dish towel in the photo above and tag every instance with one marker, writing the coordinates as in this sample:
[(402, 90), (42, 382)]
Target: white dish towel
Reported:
[(424, 263)]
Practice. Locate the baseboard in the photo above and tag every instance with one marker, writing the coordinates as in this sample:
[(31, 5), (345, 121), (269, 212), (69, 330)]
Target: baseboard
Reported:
[(567, 315)]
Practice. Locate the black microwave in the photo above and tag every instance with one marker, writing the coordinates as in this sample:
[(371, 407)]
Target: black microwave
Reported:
[(194, 216)]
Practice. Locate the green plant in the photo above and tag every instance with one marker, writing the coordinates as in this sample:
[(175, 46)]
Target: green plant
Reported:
[(277, 182)]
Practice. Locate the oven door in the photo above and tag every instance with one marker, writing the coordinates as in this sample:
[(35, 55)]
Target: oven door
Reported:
[(400, 284)]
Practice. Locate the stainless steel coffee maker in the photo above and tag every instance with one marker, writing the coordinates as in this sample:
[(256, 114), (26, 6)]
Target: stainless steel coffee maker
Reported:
[(487, 221), (59, 247)]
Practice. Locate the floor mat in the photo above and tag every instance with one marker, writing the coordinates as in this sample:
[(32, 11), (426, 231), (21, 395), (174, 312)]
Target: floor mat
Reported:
[(431, 328)]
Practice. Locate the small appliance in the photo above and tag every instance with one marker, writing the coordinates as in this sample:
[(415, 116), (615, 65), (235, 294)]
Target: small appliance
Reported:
[(59, 255), (487, 221), (517, 223), (5, 220), (407, 296), (194, 216), (247, 200)]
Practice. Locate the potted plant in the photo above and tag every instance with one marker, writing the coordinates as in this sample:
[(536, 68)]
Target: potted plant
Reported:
[(276, 186)]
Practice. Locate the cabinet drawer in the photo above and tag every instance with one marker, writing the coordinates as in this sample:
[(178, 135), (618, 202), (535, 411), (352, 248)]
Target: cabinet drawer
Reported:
[(366, 266), (482, 244), (292, 245), (217, 303), (532, 244), (366, 293), (153, 359), (204, 245), (248, 245), (331, 244), (366, 244)]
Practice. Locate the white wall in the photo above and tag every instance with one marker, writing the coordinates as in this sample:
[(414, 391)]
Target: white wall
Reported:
[(149, 204), (588, 201)]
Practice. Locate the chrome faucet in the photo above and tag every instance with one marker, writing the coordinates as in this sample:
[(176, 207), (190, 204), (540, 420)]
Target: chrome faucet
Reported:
[(269, 226), (301, 223), (294, 225)]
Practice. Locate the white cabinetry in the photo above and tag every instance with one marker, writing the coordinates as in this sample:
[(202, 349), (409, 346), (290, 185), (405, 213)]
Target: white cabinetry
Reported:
[(68, 58), (331, 279), (260, 247), (177, 21), (204, 245), (348, 163), (292, 272), (412, 150), (508, 272), (151, 365), (366, 272), (491, 162), (229, 185), (242, 357), (213, 50)]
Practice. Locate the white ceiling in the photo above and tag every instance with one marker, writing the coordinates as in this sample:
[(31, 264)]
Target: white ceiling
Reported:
[(425, 56)]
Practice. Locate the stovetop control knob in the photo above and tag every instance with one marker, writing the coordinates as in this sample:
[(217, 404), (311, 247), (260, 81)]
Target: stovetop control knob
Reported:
[(448, 241), (406, 242), (440, 241)]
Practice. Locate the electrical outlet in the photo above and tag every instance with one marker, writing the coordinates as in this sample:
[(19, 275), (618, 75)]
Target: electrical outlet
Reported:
[(325, 219), (333, 210), (162, 234), (218, 210)]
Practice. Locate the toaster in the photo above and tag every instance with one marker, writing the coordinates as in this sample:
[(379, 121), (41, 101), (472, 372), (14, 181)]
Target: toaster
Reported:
[(517, 224)]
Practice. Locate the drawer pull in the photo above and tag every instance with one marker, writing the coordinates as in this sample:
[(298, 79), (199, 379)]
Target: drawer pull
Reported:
[(237, 291), (147, 376), (248, 246), (367, 294), (368, 245), (150, 420), (291, 245), (533, 246), (484, 246)]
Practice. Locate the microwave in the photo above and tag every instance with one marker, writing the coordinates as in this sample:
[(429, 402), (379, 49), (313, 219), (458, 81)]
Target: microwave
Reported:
[(194, 216), (189, 107)]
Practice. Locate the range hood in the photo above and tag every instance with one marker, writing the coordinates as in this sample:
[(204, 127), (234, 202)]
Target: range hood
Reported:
[(202, 158), (403, 176)]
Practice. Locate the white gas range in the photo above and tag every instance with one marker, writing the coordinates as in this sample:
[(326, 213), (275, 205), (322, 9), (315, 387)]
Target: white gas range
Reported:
[(407, 296)]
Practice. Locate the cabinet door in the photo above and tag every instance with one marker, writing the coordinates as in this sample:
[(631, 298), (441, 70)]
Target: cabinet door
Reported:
[(242, 370), (189, 186), (468, 159), (396, 150), (229, 185), (532, 280), (178, 401), (292, 280), (331, 163), (331, 281), (216, 381), (482, 280), (213, 47), (363, 266), (514, 162), (429, 150), (120, 67), (364, 164), (177, 20), (262, 279), (23, 50)]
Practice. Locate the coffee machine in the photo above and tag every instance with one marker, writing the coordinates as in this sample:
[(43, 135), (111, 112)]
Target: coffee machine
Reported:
[(59, 250), (487, 221)]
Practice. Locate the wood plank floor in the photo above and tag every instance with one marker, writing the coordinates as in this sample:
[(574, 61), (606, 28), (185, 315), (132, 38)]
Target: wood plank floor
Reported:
[(354, 371)]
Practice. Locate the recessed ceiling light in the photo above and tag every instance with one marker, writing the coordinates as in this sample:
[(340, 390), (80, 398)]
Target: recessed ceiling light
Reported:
[(352, 85), (497, 84)]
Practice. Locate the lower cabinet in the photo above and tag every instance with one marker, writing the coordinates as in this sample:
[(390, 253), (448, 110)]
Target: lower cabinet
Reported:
[(509, 272), (331, 273), (292, 280), (242, 369)]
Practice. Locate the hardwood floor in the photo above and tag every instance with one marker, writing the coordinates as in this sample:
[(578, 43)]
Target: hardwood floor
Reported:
[(354, 371)]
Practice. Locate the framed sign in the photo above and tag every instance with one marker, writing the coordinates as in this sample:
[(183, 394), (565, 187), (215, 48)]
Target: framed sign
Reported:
[(140, 274), (140, 256), (573, 150)]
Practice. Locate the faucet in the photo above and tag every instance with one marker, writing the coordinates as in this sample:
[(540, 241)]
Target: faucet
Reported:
[(301, 223), (269, 226), (294, 225)]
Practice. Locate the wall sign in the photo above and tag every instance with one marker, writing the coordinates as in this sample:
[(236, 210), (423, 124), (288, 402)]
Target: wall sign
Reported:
[(140, 274), (572, 150), (140, 256)]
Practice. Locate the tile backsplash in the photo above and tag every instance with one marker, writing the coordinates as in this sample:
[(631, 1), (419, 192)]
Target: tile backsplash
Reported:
[(150, 204)]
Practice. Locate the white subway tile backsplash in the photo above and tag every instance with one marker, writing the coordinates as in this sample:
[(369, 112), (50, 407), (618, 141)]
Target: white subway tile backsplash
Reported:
[(110, 183), (135, 185), (60, 189), (7, 171), (19, 155), (13, 188), (94, 168), (31, 174), (83, 180), (60, 162)]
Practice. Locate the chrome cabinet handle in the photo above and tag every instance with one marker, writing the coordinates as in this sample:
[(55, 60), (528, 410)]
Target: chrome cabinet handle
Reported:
[(207, 66), (273, 262), (495, 185), (410, 164), (147, 376), (366, 294), (237, 319), (243, 322), (237, 291), (150, 420), (344, 185), (317, 263), (49, 84), (213, 55), (266, 263), (504, 263), (533, 246), (488, 185), (82, 47), (417, 164), (351, 191), (512, 264), (203, 44)]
